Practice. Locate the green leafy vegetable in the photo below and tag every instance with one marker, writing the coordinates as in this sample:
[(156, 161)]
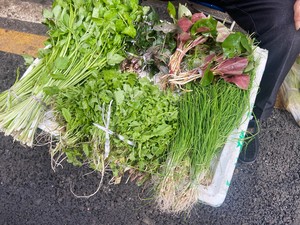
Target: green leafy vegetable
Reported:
[(140, 113), (207, 115), (28, 59), (172, 11), (113, 58), (61, 63), (82, 39), (236, 44), (207, 77)]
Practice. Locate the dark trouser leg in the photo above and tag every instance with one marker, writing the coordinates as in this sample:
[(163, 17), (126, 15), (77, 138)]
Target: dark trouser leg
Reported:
[(272, 22)]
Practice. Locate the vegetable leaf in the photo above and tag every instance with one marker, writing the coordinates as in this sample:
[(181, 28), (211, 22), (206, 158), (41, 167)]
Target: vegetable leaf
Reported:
[(28, 59), (172, 11), (207, 77), (207, 26), (114, 58), (242, 81), (130, 31), (56, 11), (183, 11), (66, 114), (232, 66), (51, 90), (235, 44), (61, 63), (58, 76), (47, 14), (119, 96)]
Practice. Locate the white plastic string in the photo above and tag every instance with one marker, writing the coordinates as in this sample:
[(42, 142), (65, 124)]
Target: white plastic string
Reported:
[(108, 132)]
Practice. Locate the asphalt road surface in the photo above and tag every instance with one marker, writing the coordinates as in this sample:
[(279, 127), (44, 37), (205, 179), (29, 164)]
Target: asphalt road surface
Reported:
[(265, 192)]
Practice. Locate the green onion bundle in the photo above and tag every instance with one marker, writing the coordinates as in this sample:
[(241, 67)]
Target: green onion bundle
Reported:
[(207, 116)]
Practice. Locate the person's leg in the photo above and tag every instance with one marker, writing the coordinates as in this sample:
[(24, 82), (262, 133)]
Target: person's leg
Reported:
[(273, 25)]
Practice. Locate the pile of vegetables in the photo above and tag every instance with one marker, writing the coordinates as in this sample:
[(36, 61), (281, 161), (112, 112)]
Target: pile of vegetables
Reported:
[(208, 58), (133, 93), (140, 118), (84, 37)]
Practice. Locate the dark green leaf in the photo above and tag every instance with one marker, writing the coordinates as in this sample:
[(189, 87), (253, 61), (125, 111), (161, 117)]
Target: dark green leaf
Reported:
[(235, 44), (246, 43), (209, 25)]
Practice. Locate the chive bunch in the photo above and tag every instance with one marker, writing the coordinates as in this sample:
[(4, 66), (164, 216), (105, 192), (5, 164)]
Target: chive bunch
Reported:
[(207, 116)]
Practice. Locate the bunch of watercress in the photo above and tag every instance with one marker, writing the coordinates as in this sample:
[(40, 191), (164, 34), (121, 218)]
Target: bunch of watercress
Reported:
[(139, 112)]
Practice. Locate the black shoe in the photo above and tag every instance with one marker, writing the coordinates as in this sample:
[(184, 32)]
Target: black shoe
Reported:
[(251, 144)]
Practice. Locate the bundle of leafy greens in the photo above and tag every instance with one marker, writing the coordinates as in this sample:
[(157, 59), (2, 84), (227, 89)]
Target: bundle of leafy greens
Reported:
[(118, 120), (84, 37), (207, 51)]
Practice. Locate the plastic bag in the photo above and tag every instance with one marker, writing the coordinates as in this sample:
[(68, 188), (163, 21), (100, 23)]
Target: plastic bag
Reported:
[(289, 93)]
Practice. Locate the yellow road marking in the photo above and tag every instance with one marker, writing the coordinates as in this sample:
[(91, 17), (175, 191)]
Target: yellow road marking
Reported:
[(20, 43)]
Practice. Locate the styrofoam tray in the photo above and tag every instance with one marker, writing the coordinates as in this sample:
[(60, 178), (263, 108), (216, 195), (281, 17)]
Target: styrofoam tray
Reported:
[(215, 193)]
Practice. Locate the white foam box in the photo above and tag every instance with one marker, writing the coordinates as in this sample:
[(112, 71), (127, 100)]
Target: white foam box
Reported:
[(215, 193), (224, 166)]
